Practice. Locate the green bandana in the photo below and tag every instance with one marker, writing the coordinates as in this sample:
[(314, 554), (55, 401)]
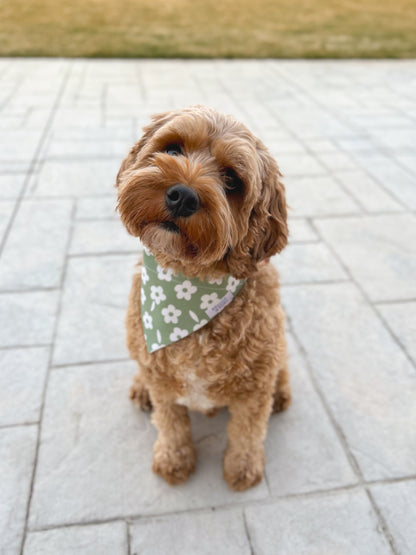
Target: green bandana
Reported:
[(173, 306)]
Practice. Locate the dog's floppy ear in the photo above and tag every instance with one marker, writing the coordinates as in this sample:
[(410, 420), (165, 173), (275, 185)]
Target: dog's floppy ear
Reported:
[(268, 231), (158, 120), (270, 212)]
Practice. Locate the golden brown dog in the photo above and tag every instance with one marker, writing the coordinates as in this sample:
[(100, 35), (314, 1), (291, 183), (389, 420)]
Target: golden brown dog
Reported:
[(235, 222)]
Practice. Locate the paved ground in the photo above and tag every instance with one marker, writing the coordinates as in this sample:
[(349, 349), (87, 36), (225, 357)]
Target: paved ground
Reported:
[(75, 455)]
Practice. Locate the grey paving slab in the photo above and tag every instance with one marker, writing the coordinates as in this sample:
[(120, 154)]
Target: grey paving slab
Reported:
[(75, 178), (17, 453), (22, 380), (293, 164), (366, 379), (27, 318), (318, 196), (368, 192), (342, 523), (102, 237), (19, 145), (401, 319), (34, 254), (379, 250), (11, 185), (97, 208), (300, 230), (308, 262), (203, 533), (84, 148), (302, 448), (95, 539), (94, 440), (397, 505), (91, 325), (6, 210), (400, 182)]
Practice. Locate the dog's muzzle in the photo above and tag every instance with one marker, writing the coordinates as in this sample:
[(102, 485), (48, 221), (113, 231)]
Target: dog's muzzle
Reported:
[(182, 201)]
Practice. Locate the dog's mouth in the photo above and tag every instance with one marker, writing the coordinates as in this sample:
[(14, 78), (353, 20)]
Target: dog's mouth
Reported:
[(170, 226)]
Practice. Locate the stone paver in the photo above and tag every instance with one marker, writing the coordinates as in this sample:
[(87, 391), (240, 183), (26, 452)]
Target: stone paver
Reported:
[(342, 523), (27, 318), (367, 380), (397, 505), (203, 533), (22, 380), (380, 252), (101, 237), (17, 452), (304, 458), (401, 319), (35, 251), (102, 539), (343, 133)]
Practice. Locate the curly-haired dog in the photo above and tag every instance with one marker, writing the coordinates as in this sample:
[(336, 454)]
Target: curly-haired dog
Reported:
[(205, 197)]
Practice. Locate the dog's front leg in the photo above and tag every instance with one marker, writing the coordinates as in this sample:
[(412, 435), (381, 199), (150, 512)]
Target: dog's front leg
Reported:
[(244, 456), (174, 453)]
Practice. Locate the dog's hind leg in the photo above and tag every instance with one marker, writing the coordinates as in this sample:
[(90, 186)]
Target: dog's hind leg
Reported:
[(282, 395), (139, 394)]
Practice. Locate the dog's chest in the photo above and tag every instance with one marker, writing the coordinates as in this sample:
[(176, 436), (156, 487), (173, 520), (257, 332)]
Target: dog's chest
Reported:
[(195, 397)]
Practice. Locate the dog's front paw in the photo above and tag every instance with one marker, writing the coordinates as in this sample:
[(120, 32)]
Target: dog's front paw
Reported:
[(243, 470), (174, 464), (140, 396)]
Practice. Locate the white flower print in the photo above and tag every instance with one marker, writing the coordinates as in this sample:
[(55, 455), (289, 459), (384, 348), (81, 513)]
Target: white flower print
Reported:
[(156, 346), (218, 281), (142, 295), (232, 284), (170, 314), (146, 250), (200, 325), (157, 294), (145, 275), (185, 290), (208, 300), (177, 334), (147, 321), (164, 275)]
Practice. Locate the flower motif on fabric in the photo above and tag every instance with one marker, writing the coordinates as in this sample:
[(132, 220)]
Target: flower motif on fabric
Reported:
[(207, 301), (200, 325), (145, 275), (232, 284), (156, 346), (218, 281), (156, 294), (164, 275), (185, 290), (177, 334), (170, 314), (142, 296), (147, 321)]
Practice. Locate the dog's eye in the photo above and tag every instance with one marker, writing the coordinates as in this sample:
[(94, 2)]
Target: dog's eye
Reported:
[(173, 150), (233, 184)]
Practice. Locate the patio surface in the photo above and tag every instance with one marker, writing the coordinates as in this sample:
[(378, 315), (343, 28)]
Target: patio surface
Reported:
[(75, 455)]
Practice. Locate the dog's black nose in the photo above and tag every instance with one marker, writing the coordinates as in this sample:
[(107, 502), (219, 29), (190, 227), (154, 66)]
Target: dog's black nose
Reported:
[(182, 201)]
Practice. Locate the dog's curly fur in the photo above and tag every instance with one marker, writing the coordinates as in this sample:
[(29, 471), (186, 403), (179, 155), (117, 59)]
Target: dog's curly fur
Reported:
[(239, 358)]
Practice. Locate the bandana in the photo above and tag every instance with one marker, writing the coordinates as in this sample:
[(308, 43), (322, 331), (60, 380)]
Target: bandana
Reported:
[(173, 305)]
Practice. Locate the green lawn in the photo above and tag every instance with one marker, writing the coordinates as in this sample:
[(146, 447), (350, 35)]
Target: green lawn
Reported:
[(207, 28)]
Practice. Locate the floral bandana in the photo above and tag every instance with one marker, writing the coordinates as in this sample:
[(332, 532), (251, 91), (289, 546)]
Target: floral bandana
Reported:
[(173, 306)]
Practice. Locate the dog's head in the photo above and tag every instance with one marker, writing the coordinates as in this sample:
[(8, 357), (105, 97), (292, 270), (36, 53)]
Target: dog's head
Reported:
[(203, 194)]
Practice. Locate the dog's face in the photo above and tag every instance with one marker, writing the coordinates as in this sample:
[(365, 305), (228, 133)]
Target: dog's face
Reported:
[(203, 194)]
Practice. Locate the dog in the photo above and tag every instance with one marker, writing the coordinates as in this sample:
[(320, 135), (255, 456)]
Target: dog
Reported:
[(205, 197)]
